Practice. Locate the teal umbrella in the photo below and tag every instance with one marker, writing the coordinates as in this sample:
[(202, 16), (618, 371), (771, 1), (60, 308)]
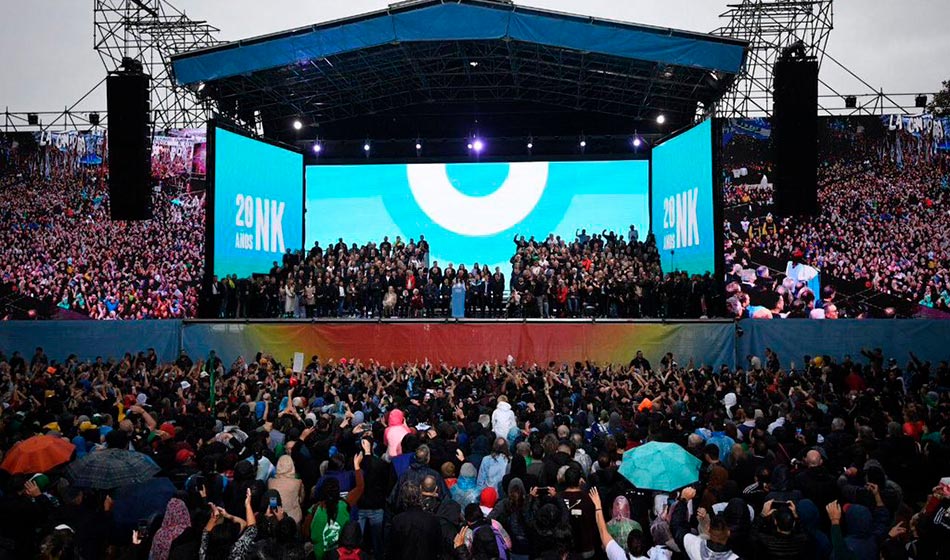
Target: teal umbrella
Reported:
[(660, 466)]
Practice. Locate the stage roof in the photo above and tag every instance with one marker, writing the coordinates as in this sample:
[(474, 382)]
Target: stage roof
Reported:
[(464, 52)]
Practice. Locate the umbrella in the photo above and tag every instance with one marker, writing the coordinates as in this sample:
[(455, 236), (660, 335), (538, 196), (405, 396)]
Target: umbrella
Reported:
[(37, 454), (660, 466), (141, 501), (111, 468)]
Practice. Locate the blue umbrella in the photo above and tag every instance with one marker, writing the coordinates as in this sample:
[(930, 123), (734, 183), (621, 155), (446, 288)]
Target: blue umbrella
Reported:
[(660, 466), (111, 468), (141, 501)]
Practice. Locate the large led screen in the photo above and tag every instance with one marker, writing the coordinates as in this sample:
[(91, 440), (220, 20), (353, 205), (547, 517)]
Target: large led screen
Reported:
[(258, 203), (471, 212), (683, 201)]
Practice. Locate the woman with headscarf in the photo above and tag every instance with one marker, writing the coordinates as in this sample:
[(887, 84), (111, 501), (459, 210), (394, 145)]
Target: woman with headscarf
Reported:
[(289, 487), (620, 523), (465, 492), (396, 430), (177, 520)]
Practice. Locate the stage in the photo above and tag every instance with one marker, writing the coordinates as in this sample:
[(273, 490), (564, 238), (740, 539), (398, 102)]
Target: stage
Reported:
[(459, 342)]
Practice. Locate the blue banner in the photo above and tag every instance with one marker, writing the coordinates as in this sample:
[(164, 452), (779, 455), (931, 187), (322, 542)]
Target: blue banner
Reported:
[(926, 127), (757, 129)]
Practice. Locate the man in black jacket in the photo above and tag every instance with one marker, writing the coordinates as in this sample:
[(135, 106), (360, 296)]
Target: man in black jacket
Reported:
[(414, 475), (416, 533), (815, 482), (379, 478)]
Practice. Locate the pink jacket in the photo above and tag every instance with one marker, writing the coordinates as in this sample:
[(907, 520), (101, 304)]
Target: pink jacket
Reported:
[(395, 432)]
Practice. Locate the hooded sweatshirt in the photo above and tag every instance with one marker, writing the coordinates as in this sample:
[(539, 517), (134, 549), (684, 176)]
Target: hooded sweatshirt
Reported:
[(464, 491), (503, 420), (395, 432), (861, 531), (698, 548)]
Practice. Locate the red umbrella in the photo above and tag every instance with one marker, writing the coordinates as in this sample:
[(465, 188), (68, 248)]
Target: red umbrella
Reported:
[(37, 454)]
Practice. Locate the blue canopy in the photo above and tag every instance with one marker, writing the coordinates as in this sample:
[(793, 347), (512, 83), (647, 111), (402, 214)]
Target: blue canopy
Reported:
[(461, 20)]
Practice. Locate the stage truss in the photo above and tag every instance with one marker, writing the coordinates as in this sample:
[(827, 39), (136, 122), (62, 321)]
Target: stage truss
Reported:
[(770, 26), (150, 31)]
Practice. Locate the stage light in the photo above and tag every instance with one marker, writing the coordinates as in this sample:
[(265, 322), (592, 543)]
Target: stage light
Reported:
[(469, 145), (366, 147), (297, 124), (530, 145), (478, 145), (94, 119), (473, 63), (637, 142), (851, 102), (418, 146), (201, 86), (583, 143), (661, 118), (920, 101), (32, 119), (317, 148)]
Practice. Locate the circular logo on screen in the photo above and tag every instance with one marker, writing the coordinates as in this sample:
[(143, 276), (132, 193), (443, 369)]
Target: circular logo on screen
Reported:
[(469, 215)]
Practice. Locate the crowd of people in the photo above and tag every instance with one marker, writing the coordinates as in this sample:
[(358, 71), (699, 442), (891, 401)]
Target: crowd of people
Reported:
[(834, 459), (883, 214), (392, 277), (600, 275), (884, 225), (59, 245)]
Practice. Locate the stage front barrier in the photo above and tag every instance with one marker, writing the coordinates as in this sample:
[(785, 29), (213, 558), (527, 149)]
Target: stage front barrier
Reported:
[(711, 343), (792, 340), (89, 339), (459, 343)]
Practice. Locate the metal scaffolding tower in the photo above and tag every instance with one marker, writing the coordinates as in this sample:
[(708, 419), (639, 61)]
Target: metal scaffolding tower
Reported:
[(770, 26), (150, 31)]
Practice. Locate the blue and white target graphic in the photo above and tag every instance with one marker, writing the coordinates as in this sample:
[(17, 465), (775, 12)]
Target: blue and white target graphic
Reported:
[(470, 212)]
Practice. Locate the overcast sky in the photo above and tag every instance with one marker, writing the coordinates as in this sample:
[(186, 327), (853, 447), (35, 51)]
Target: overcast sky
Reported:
[(48, 61)]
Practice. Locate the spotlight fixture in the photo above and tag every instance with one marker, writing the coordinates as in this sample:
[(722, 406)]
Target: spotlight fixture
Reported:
[(920, 101), (850, 102), (297, 124), (661, 118), (32, 119), (469, 145), (530, 143), (366, 147), (637, 142), (201, 86), (478, 145), (418, 146), (317, 148), (94, 119)]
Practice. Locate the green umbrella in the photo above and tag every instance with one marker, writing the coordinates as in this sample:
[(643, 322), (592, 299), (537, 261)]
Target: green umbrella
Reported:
[(660, 466)]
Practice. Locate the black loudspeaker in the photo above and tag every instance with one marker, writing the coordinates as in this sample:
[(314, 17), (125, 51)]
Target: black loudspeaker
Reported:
[(129, 141), (795, 136)]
